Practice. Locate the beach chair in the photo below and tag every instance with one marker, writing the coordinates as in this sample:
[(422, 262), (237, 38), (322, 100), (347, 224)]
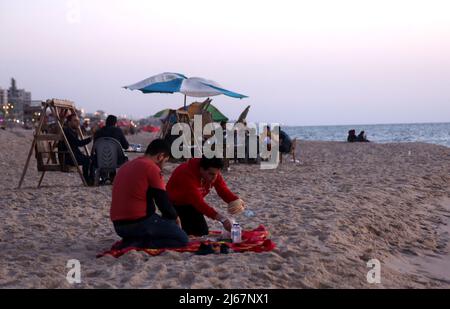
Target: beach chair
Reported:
[(108, 153)]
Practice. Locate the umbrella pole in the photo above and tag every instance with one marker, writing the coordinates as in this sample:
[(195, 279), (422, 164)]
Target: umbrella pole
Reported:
[(184, 102)]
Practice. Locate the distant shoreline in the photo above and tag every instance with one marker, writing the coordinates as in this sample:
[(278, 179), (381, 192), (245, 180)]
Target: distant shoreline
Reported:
[(361, 125)]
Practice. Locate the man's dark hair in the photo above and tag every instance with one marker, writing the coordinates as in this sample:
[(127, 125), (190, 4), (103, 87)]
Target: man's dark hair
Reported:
[(158, 146), (111, 121), (214, 162)]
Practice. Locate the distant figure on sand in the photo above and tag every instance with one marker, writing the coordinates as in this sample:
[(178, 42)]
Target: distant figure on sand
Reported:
[(351, 138), (187, 188), (362, 137), (71, 133), (137, 190)]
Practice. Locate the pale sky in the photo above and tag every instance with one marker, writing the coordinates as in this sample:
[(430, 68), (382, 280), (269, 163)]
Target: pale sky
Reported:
[(300, 62)]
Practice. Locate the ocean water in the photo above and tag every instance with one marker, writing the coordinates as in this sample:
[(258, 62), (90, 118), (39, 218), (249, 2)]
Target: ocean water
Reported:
[(434, 133)]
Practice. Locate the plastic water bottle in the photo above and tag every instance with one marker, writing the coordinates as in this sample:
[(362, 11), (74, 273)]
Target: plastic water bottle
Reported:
[(248, 213), (236, 233)]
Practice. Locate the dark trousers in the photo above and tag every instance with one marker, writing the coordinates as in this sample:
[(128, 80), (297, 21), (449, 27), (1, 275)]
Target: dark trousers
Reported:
[(153, 232), (193, 222), (86, 163)]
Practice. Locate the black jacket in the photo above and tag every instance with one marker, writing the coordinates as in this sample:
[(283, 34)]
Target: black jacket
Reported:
[(113, 132), (74, 142)]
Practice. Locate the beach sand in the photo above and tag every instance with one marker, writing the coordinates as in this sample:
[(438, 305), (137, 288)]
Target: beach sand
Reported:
[(343, 205)]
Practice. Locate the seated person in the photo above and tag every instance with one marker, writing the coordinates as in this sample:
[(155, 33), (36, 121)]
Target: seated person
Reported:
[(111, 130), (137, 188), (187, 188), (362, 137), (71, 133), (351, 138)]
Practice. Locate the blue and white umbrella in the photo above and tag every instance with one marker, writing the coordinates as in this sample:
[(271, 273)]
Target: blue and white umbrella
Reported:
[(175, 82)]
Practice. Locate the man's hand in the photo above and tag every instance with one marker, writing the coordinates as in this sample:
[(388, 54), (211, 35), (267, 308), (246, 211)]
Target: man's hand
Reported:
[(227, 224), (178, 221), (236, 207)]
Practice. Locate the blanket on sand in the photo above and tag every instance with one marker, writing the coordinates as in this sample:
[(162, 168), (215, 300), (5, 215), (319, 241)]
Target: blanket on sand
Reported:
[(254, 241)]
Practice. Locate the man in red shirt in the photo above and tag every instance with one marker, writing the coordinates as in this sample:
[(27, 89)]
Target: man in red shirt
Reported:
[(187, 188), (138, 187)]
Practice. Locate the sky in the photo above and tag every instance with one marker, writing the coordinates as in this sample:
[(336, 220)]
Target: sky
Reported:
[(300, 62)]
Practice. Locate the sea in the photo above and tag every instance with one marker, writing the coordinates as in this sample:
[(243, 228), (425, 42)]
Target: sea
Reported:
[(434, 133)]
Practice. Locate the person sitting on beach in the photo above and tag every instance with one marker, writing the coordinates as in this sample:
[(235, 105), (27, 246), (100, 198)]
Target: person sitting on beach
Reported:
[(137, 190), (362, 137), (111, 130), (71, 133), (187, 188), (352, 136)]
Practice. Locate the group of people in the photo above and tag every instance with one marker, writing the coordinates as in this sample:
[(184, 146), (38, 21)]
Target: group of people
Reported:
[(89, 162), (139, 190), (352, 137)]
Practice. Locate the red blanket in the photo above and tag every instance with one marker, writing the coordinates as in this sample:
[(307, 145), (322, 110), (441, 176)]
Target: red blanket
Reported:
[(255, 241)]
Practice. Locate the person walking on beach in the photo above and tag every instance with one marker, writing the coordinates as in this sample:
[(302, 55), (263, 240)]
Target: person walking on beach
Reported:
[(137, 190), (187, 188)]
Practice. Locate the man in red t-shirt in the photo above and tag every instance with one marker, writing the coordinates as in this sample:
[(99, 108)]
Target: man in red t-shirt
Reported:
[(187, 188), (138, 189)]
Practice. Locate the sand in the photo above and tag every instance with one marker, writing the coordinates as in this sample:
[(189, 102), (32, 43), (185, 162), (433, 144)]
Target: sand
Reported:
[(343, 205)]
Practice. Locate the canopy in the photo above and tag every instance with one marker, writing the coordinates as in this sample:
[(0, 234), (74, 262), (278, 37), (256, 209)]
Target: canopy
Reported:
[(175, 82), (217, 116), (162, 114)]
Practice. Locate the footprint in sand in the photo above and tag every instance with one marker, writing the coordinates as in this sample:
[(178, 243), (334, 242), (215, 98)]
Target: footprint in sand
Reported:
[(275, 266), (186, 278)]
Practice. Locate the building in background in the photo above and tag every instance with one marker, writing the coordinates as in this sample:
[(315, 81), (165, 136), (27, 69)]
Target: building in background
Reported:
[(18, 98), (3, 97)]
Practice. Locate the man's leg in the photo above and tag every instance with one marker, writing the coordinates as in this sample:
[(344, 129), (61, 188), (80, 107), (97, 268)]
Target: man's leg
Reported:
[(192, 221), (165, 233), (86, 163), (153, 232)]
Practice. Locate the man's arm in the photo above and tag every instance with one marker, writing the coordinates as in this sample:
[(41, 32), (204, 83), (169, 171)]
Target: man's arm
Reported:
[(73, 139), (197, 200), (82, 142), (162, 202), (223, 191)]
